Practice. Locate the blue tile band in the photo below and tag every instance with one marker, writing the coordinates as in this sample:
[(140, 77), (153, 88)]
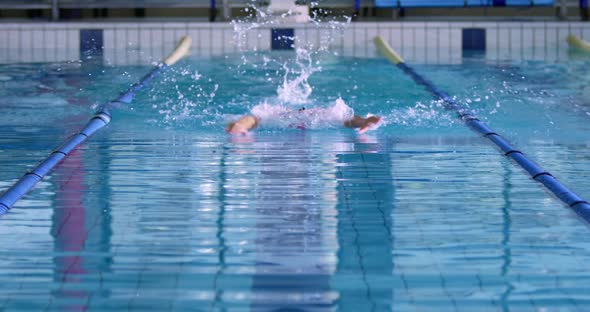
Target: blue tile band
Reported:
[(91, 42), (474, 39), (282, 39)]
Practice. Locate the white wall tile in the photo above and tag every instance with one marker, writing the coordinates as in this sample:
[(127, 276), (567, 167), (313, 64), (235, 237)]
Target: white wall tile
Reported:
[(120, 36), (228, 41), (50, 35), (300, 37), (485, 25), (369, 45), (73, 44), (420, 37), (396, 38), (61, 44), (444, 37), (108, 38), (444, 55), (408, 43), (217, 50), (4, 46), (133, 49), (407, 48), (169, 37), (456, 55), (145, 44), (258, 38), (551, 37), (456, 42), (120, 57), (38, 45), (527, 37), (217, 38), (432, 45), (205, 39), (313, 37), (504, 40), (264, 39), (420, 55), (385, 33), (133, 38), (419, 41), (491, 39), (515, 43), (193, 32), (461, 25), (527, 43), (538, 43), (431, 25), (325, 37), (26, 45), (14, 47), (576, 30), (562, 34), (551, 49), (537, 25), (359, 40)]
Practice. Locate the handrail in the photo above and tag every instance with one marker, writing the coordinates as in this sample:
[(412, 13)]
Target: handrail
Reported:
[(579, 205), (100, 119)]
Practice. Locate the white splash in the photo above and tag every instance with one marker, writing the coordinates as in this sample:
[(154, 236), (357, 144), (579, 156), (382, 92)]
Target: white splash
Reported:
[(295, 88)]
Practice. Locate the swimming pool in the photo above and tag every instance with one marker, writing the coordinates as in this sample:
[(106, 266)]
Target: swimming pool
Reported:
[(162, 210)]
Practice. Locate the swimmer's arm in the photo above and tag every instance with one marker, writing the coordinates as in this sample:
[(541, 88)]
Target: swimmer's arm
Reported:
[(242, 125)]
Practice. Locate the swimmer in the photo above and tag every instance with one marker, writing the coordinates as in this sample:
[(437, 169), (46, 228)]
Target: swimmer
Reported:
[(338, 114)]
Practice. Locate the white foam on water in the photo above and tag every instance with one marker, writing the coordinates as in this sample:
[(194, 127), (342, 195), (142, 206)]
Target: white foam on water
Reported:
[(421, 115), (284, 116)]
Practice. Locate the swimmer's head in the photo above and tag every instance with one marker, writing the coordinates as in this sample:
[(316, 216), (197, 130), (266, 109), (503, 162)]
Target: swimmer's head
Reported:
[(301, 109)]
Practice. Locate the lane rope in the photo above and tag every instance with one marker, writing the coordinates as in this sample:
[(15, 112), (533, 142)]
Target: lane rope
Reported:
[(100, 119), (575, 202)]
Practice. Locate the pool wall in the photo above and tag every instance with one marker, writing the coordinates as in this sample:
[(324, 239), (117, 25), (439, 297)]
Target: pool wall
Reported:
[(127, 43)]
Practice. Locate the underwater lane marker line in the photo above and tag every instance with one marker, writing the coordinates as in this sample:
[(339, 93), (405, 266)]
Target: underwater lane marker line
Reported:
[(97, 122), (576, 203)]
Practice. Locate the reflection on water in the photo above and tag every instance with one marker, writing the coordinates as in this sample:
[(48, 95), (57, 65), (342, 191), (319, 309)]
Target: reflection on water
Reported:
[(418, 215), (289, 220)]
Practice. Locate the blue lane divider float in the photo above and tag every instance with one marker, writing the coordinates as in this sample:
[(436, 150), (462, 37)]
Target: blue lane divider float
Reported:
[(100, 119), (575, 202)]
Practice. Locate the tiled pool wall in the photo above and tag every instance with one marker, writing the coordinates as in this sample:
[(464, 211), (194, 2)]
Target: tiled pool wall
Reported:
[(418, 42)]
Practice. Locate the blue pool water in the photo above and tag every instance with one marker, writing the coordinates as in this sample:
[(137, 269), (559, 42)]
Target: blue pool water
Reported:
[(162, 210)]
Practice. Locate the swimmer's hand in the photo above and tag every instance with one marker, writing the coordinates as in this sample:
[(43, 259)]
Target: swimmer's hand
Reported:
[(236, 128), (370, 123), (242, 125), (363, 124)]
